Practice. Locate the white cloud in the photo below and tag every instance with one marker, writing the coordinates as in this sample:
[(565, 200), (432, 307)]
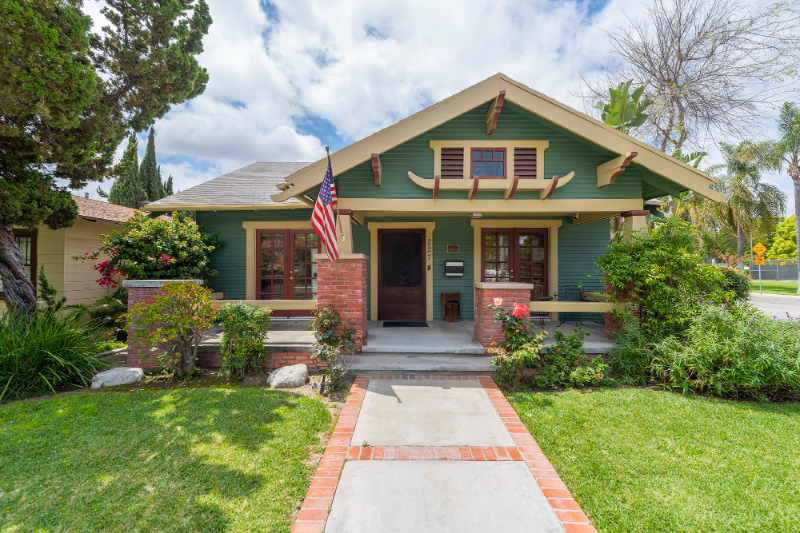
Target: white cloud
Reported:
[(361, 65)]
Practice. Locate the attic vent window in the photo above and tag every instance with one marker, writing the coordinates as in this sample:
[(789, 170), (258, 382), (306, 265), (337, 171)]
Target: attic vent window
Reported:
[(525, 163), (489, 163), (452, 163)]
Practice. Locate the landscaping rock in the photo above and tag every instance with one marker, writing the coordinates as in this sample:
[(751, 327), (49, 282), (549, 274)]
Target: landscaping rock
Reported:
[(117, 376), (288, 377)]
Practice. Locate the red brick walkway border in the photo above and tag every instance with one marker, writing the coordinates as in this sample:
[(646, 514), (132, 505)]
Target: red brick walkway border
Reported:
[(314, 512)]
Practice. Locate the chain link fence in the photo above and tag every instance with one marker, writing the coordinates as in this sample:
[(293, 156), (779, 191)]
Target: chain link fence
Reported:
[(777, 270)]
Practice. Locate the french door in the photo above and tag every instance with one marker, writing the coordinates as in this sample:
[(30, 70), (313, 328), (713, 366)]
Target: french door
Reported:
[(516, 255), (287, 265)]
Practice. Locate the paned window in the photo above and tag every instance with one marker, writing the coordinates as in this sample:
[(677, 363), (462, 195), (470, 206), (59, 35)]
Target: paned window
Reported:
[(26, 240), (287, 265), (516, 255), (488, 163)]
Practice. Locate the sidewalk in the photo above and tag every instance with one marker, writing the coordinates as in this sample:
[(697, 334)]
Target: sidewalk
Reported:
[(436, 454)]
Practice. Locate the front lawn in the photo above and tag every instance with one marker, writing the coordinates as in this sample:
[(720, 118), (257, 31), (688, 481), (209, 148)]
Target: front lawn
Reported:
[(775, 287), (645, 460), (201, 459)]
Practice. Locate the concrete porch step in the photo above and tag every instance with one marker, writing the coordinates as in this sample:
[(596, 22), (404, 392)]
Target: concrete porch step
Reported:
[(420, 362)]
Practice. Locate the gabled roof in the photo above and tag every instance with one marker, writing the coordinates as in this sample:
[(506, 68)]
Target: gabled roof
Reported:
[(579, 123), (249, 186), (97, 210)]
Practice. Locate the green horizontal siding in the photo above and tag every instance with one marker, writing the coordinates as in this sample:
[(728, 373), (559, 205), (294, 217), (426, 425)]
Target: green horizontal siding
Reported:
[(567, 153), (230, 260)]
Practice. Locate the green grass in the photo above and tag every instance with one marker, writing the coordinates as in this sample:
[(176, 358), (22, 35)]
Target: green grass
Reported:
[(202, 459), (775, 287), (643, 460)]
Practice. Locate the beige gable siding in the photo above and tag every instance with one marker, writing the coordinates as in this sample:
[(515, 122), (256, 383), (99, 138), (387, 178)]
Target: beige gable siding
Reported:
[(80, 278)]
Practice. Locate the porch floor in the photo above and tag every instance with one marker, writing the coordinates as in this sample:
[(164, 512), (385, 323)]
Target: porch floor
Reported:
[(437, 338), (282, 334)]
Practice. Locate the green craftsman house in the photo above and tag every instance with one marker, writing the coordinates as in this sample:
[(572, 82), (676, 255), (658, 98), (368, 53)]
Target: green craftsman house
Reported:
[(498, 186)]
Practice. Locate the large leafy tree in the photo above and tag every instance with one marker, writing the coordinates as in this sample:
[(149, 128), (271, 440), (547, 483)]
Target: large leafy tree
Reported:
[(68, 96), (784, 241), (624, 109), (149, 173), (752, 205), (786, 151), (127, 189)]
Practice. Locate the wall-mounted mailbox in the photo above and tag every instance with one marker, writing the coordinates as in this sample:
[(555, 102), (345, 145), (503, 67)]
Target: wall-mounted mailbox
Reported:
[(454, 268)]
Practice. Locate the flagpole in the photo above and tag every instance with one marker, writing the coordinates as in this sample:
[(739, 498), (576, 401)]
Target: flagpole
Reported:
[(338, 222)]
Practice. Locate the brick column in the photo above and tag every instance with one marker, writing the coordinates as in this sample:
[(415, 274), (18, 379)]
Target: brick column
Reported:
[(611, 325), (144, 291), (343, 285), (486, 329)]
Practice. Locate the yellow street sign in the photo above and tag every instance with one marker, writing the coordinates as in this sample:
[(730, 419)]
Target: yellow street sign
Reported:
[(759, 260), (759, 249)]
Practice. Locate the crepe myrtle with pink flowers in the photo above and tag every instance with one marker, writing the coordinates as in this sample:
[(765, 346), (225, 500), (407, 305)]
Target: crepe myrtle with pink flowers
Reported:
[(155, 248)]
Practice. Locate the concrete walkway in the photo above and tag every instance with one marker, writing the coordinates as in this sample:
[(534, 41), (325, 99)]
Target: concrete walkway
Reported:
[(436, 454)]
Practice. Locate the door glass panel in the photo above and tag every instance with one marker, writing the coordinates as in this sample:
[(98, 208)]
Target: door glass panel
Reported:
[(401, 259), (537, 254)]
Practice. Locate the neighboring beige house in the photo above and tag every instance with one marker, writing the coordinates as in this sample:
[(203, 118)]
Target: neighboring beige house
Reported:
[(54, 250)]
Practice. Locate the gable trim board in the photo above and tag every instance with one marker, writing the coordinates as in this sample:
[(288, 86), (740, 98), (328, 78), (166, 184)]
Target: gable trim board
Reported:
[(373, 256), (537, 103)]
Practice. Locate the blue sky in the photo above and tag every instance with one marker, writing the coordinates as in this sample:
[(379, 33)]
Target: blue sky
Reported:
[(288, 77)]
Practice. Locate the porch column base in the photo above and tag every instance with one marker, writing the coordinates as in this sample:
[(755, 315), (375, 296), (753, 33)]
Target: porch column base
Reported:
[(487, 331), (342, 284)]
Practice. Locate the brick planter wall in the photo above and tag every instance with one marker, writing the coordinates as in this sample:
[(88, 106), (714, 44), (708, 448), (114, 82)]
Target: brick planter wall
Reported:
[(486, 329), (343, 285), (144, 291), (210, 357)]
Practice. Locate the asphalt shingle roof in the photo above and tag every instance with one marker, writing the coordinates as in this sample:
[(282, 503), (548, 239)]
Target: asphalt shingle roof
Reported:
[(253, 184), (97, 210)]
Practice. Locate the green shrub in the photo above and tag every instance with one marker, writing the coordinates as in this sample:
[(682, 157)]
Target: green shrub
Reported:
[(46, 353), (176, 323), (156, 248), (737, 282), (332, 342), (661, 272), (244, 331), (566, 363), (520, 348), (727, 352)]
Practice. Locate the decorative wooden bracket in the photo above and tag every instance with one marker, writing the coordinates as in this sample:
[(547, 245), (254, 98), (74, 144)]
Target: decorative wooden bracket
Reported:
[(509, 186), (544, 194), (494, 112), (512, 188), (608, 172), (377, 169), (476, 183)]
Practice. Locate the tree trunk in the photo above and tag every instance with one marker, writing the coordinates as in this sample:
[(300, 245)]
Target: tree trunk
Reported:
[(796, 182), (19, 290), (740, 246)]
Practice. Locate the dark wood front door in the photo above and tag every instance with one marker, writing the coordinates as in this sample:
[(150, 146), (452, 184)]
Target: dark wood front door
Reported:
[(401, 275)]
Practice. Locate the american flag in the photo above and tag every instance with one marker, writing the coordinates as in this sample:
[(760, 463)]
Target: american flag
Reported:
[(322, 218)]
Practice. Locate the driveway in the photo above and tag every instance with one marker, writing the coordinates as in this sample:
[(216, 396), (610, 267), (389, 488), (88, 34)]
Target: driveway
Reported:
[(777, 304), (436, 454)]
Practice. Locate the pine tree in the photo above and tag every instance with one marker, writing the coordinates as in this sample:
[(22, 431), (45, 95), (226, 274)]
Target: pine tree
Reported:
[(128, 190), (168, 190), (148, 172)]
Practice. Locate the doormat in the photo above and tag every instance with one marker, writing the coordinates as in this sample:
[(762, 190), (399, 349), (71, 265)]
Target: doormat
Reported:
[(405, 324)]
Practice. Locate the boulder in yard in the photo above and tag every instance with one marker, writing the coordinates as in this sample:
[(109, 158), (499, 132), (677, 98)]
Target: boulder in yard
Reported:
[(117, 376), (288, 377)]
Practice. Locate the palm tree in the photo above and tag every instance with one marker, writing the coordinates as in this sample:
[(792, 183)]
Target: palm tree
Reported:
[(752, 205), (786, 150)]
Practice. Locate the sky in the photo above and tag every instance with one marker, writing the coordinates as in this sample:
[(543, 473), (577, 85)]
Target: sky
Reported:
[(288, 77)]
